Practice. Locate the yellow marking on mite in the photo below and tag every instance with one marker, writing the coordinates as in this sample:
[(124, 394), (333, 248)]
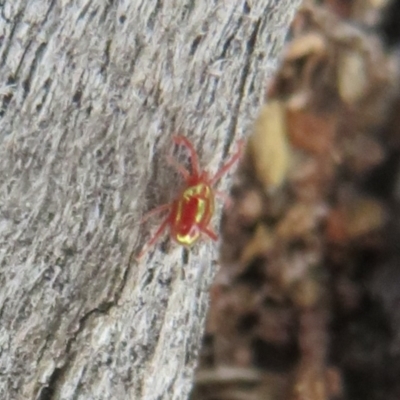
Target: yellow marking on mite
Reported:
[(179, 212), (191, 192), (201, 209), (188, 239)]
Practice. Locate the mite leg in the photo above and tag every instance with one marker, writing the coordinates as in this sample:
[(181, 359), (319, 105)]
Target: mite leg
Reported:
[(210, 233), (225, 198), (155, 211), (154, 238), (179, 167), (229, 164), (194, 159)]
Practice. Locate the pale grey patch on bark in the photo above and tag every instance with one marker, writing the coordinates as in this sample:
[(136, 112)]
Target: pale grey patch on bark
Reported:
[(91, 92)]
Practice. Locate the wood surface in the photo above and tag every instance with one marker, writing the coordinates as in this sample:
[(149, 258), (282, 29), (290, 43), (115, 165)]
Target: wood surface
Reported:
[(91, 92)]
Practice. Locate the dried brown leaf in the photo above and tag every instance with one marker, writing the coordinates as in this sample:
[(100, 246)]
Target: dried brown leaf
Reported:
[(268, 145)]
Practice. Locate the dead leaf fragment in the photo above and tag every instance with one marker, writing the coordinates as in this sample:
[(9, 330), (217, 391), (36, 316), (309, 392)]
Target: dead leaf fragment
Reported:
[(269, 146), (365, 216), (261, 243), (311, 132), (311, 43), (299, 221), (352, 76), (353, 220)]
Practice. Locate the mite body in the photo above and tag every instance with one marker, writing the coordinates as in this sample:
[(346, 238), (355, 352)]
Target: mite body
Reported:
[(190, 214)]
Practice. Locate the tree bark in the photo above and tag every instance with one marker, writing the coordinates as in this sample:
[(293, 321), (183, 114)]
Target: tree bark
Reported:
[(91, 93)]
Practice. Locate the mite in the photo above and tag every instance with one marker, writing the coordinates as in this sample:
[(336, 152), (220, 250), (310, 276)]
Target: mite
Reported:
[(189, 214)]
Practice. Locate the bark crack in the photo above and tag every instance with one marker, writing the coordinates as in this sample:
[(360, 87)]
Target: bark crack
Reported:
[(250, 46), (49, 391), (15, 20), (26, 84)]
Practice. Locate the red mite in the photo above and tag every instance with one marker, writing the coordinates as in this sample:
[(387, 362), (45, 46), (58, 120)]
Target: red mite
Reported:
[(189, 215)]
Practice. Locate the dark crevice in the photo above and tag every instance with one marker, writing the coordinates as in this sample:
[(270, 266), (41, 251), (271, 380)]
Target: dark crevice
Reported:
[(195, 44), (28, 46), (185, 256), (2, 307), (92, 15), (51, 333), (213, 81), (124, 279), (149, 277), (79, 385), (49, 10), (76, 98), (46, 88), (84, 10), (26, 84), (13, 79), (153, 15), (89, 110), (243, 79), (48, 392), (38, 55), (7, 97), (226, 45), (8, 20), (106, 58), (47, 84), (109, 5), (16, 21), (187, 10), (246, 8), (139, 46)]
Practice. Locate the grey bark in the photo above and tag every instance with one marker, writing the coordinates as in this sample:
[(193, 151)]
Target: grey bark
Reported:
[(91, 92)]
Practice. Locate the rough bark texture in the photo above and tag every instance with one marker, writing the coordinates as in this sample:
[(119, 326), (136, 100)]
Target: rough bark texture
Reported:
[(91, 92)]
